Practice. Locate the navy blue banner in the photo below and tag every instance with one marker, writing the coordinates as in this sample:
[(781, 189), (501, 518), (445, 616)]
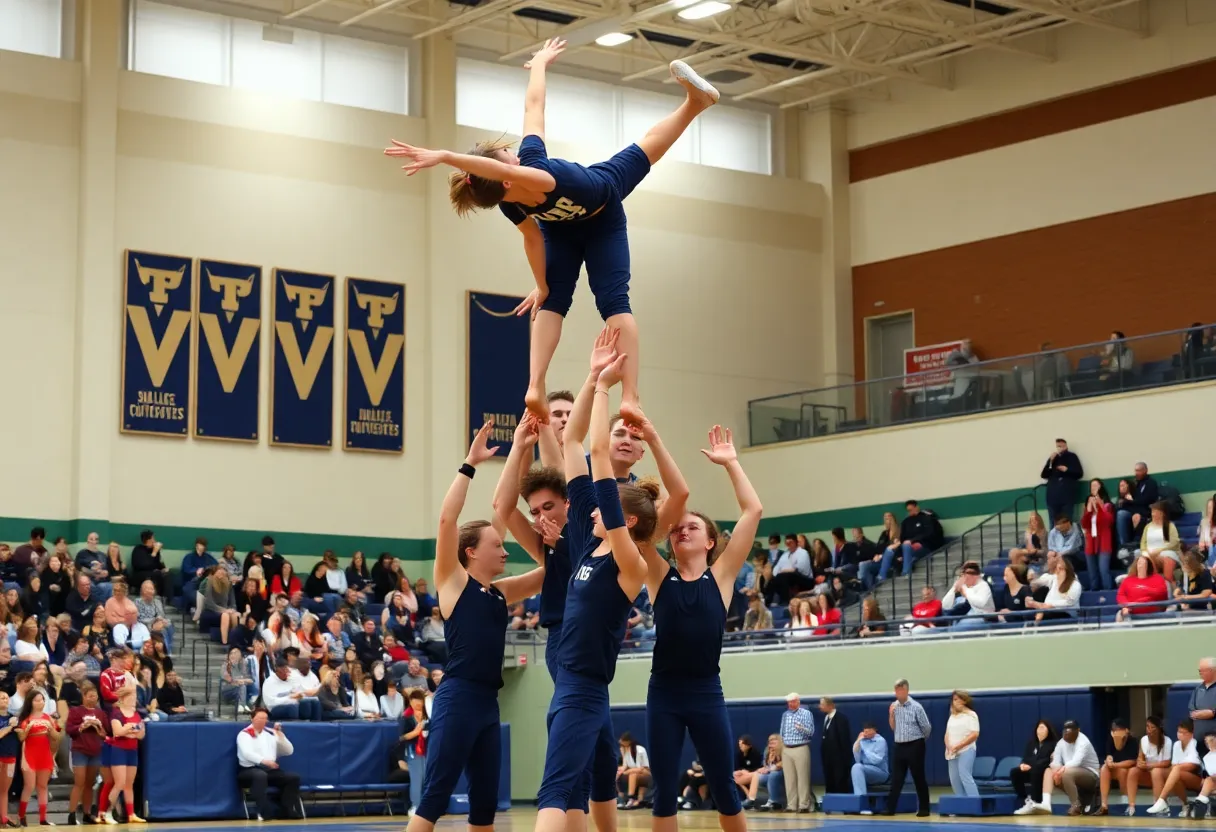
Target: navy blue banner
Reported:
[(498, 366), (375, 366), (229, 336), (302, 360), (156, 337)]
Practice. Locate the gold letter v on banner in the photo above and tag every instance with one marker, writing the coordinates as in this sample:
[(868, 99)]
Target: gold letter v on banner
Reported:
[(304, 371)]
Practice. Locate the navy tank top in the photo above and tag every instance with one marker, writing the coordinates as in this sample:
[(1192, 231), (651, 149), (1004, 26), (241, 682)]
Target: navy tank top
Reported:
[(689, 620), (577, 194), (596, 606), (557, 580), (476, 635)]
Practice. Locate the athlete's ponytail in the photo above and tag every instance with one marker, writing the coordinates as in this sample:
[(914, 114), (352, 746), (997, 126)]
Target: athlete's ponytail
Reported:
[(638, 501), (468, 192)]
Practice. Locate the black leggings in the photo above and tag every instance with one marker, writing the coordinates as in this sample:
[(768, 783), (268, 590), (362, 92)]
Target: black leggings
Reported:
[(1028, 783)]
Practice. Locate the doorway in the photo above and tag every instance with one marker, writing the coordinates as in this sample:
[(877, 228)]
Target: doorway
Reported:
[(887, 337)]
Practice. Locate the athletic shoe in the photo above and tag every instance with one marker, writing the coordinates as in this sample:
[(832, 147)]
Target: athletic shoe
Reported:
[(749, 804), (694, 83), (686, 805), (1159, 808), (1187, 810), (770, 806), (866, 812)]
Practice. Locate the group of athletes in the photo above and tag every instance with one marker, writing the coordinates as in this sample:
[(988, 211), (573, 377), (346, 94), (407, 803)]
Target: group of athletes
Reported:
[(592, 526)]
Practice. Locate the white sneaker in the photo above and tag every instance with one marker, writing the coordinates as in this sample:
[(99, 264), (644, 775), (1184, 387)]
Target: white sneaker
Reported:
[(694, 83), (687, 805), (1131, 810), (1028, 808), (866, 812), (109, 818), (411, 812), (1159, 808)]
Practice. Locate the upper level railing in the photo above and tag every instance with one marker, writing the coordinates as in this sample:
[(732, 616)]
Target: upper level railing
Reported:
[(962, 387)]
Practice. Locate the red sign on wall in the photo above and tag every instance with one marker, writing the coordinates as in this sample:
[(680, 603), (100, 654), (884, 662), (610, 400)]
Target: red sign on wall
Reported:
[(920, 360)]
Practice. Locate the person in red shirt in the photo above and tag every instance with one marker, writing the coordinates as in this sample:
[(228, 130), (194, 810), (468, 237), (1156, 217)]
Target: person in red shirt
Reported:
[(286, 582), (116, 676), (828, 614), (929, 607), (88, 727), (1142, 585), (1098, 526), (37, 731), (121, 754)]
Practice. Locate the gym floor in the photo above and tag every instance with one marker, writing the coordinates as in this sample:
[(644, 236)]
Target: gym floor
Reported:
[(523, 820)]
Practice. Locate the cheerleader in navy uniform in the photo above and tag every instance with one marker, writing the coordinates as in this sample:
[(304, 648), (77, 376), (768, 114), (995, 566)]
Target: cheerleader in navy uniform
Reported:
[(690, 602), (464, 728), (568, 214)]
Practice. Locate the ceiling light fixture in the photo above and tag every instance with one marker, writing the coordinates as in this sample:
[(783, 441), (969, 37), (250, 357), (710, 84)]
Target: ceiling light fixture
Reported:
[(703, 10), (613, 39)]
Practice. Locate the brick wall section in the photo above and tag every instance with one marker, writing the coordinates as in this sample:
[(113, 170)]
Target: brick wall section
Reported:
[(1141, 271)]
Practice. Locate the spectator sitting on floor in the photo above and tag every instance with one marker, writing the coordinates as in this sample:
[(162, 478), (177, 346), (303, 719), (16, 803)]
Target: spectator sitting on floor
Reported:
[(1063, 592), (748, 763), (873, 622), (1152, 763), (1161, 541), (1186, 767), (971, 589), (1066, 540), (1062, 471), (1074, 767), (1119, 762), (870, 760), (1027, 777), (633, 774), (1199, 807), (1195, 584), (1098, 525), (1134, 507), (1033, 541), (929, 607), (1143, 585), (867, 568), (771, 777), (757, 617), (1010, 600), (258, 750)]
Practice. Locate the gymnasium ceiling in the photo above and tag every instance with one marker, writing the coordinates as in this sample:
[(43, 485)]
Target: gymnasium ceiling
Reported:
[(787, 53)]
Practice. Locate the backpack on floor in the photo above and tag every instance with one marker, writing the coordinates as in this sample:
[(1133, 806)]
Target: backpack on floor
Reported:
[(1170, 495)]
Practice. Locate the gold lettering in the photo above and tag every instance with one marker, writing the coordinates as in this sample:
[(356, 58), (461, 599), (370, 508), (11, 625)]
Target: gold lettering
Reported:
[(303, 371), (232, 290), (305, 298), (377, 307), (158, 357), (374, 428), (375, 375), (161, 283), (228, 365)]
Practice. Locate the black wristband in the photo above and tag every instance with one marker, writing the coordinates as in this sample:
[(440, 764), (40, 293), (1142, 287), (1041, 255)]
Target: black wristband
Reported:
[(468, 470)]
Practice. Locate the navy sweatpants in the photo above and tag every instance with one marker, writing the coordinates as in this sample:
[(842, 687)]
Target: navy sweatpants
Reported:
[(698, 707), (465, 736), (585, 747)]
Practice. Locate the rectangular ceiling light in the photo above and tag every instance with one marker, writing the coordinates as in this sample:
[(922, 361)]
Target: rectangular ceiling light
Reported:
[(706, 9), (613, 39)]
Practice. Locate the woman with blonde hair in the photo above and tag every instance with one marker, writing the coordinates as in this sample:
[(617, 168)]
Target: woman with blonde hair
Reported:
[(867, 571), (219, 604), (771, 777), (310, 637), (1033, 541), (802, 621), (962, 731)]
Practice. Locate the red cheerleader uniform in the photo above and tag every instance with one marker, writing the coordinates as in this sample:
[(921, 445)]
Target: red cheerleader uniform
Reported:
[(37, 748)]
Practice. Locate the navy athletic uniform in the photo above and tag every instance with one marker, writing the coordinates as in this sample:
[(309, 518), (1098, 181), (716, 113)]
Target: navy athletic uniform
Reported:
[(464, 729), (686, 693), (583, 221), (596, 611), (553, 599)]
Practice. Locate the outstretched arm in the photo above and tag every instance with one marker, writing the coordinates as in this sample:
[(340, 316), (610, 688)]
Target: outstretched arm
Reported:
[(534, 250), (625, 551), (506, 494), (449, 574), (722, 452), (669, 475), (420, 158), (550, 449), (534, 98), (603, 354)]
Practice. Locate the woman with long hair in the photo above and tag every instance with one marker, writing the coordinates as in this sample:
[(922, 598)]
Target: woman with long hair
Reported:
[(802, 620), (237, 687), (1195, 585), (1027, 777), (316, 590), (1206, 544), (121, 754), (770, 777), (1063, 593), (219, 604), (37, 731), (633, 775), (10, 751), (1161, 542), (397, 618), (384, 579), (230, 564), (55, 581), (1098, 524), (312, 641), (1010, 601), (868, 571), (29, 647), (873, 622), (251, 601), (357, 574), (1143, 585), (114, 562), (1153, 763), (1033, 541), (285, 582), (87, 726), (962, 732), (827, 615), (466, 735), (33, 599), (98, 631), (578, 213)]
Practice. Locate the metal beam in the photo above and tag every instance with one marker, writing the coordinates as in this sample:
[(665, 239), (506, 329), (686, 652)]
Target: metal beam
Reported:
[(303, 10), (964, 35), (490, 9), (385, 6), (1074, 15)]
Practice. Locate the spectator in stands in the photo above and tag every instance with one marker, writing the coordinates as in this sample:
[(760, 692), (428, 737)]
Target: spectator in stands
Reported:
[(1063, 593), (151, 613), (1161, 542), (844, 556), (633, 774), (867, 569), (236, 684), (230, 564), (928, 608), (415, 731), (1206, 543), (272, 561), (1117, 362), (797, 729), (392, 704), (1066, 540), (33, 600), (414, 675), (120, 610), (1120, 760), (27, 555), (1134, 509), (748, 762), (316, 588), (335, 580), (919, 534), (285, 701), (774, 548), (284, 580), (1098, 524), (975, 592), (911, 728), (828, 615), (1033, 541), (758, 616), (357, 574), (1074, 767), (1027, 777), (81, 602), (56, 583), (1010, 600), (1143, 585), (1195, 585), (870, 761), (258, 751), (426, 601), (368, 646), (791, 573), (1062, 472), (770, 777), (384, 579), (194, 565), (250, 602), (1185, 770), (92, 562), (821, 562), (335, 702), (367, 705), (147, 565), (873, 622), (962, 733), (431, 637)]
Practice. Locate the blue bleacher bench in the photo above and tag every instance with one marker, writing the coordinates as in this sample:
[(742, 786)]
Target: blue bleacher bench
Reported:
[(971, 807), (876, 802)]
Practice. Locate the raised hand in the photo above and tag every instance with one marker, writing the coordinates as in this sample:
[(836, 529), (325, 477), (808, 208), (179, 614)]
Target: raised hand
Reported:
[(548, 53), (721, 446), (420, 158), (604, 351), (635, 418), (548, 530), (481, 450), (526, 431), (532, 303), (611, 375)]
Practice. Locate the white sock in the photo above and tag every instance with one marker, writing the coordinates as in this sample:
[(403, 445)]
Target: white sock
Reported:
[(1124, 799), (1202, 799)]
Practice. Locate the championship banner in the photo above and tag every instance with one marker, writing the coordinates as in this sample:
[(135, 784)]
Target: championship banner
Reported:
[(302, 360), (498, 366), (156, 337), (374, 393), (229, 336), (932, 357)]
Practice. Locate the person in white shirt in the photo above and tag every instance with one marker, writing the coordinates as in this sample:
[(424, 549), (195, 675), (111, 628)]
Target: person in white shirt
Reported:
[(1199, 807), (976, 592), (306, 681), (1152, 764), (1074, 768), (962, 732), (1063, 592), (633, 775), (1185, 770), (258, 750), (282, 695), (392, 704)]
